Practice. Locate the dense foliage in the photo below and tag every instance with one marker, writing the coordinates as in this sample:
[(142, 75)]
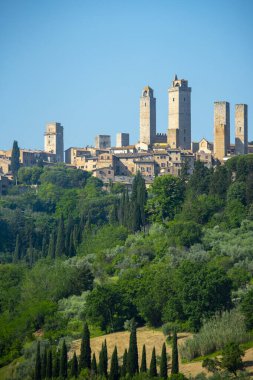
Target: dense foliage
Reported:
[(71, 251)]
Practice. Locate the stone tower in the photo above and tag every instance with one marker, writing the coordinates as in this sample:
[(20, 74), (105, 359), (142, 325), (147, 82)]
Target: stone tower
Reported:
[(122, 139), (147, 116), (221, 129), (179, 114), (241, 129), (53, 140)]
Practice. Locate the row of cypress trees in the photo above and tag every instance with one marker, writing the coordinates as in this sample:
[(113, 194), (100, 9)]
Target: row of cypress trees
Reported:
[(48, 366)]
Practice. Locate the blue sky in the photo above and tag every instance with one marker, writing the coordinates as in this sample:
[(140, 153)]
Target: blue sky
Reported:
[(84, 63)]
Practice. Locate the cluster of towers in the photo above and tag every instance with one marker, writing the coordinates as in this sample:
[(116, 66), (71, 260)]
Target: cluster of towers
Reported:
[(179, 121), (179, 116), (222, 129)]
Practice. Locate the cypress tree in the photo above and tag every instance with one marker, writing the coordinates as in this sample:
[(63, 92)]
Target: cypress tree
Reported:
[(30, 253), (132, 357), (174, 365), (143, 360), (15, 164), (69, 229), (49, 370), (60, 241), (64, 361), (94, 369), (44, 247), (44, 364), (72, 250), (163, 364), (56, 365), (37, 371), (17, 252), (152, 368), (85, 354), (123, 371), (138, 201), (114, 371), (74, 366), (103, 360), (51, 247)]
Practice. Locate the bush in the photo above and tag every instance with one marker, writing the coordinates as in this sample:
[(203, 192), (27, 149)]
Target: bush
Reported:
[(216, 334)]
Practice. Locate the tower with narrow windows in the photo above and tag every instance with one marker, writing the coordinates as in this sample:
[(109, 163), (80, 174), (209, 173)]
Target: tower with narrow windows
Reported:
[(53, 140), (221, 129), (179, 114), (241, 129), (147, 116)]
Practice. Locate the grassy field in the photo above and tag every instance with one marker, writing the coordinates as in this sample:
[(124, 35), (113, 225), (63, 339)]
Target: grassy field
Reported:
[(151, 338)]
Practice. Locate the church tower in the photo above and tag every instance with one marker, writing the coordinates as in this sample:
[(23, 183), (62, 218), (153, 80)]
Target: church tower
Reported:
[(147, 116), (179, 114)]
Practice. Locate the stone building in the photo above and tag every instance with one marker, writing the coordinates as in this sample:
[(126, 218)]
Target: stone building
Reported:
[(221, 129), (241, 129), (122, 139), (179, 114), (103, 141), (53, 140), (147, 116)]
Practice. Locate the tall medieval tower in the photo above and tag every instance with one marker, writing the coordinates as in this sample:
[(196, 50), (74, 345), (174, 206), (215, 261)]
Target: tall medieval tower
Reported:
[(179, 114), (53, 140), (147, 116), (221, 129), (241, 128)]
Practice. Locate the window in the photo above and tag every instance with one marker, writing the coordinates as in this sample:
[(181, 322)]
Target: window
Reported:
[(109, 171), (173, 99)]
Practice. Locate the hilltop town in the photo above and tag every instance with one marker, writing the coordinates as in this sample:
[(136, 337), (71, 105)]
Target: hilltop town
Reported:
[(155, 153)]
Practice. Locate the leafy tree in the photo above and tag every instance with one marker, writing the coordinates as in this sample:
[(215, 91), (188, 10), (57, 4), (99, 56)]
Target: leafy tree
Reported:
[(219, 182), (37, 371), (166, 197), (64, 361), (85, 353), (175, 363), (94, 364), (237, 191), (74, 366), (132, 358), (114, 371), (247, 308), (60, 241), (232, 358), (143, 367), (49, 371), (163, 363), (152, 368), (123, 371), (199, 180), (15, 164), (107, 307), (184, 234)]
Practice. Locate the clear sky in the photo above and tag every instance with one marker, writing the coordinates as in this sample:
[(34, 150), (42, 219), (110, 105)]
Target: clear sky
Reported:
[(84, 63)]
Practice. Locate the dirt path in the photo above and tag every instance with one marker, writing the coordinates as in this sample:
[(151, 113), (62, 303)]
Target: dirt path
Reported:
[(151, 338)]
